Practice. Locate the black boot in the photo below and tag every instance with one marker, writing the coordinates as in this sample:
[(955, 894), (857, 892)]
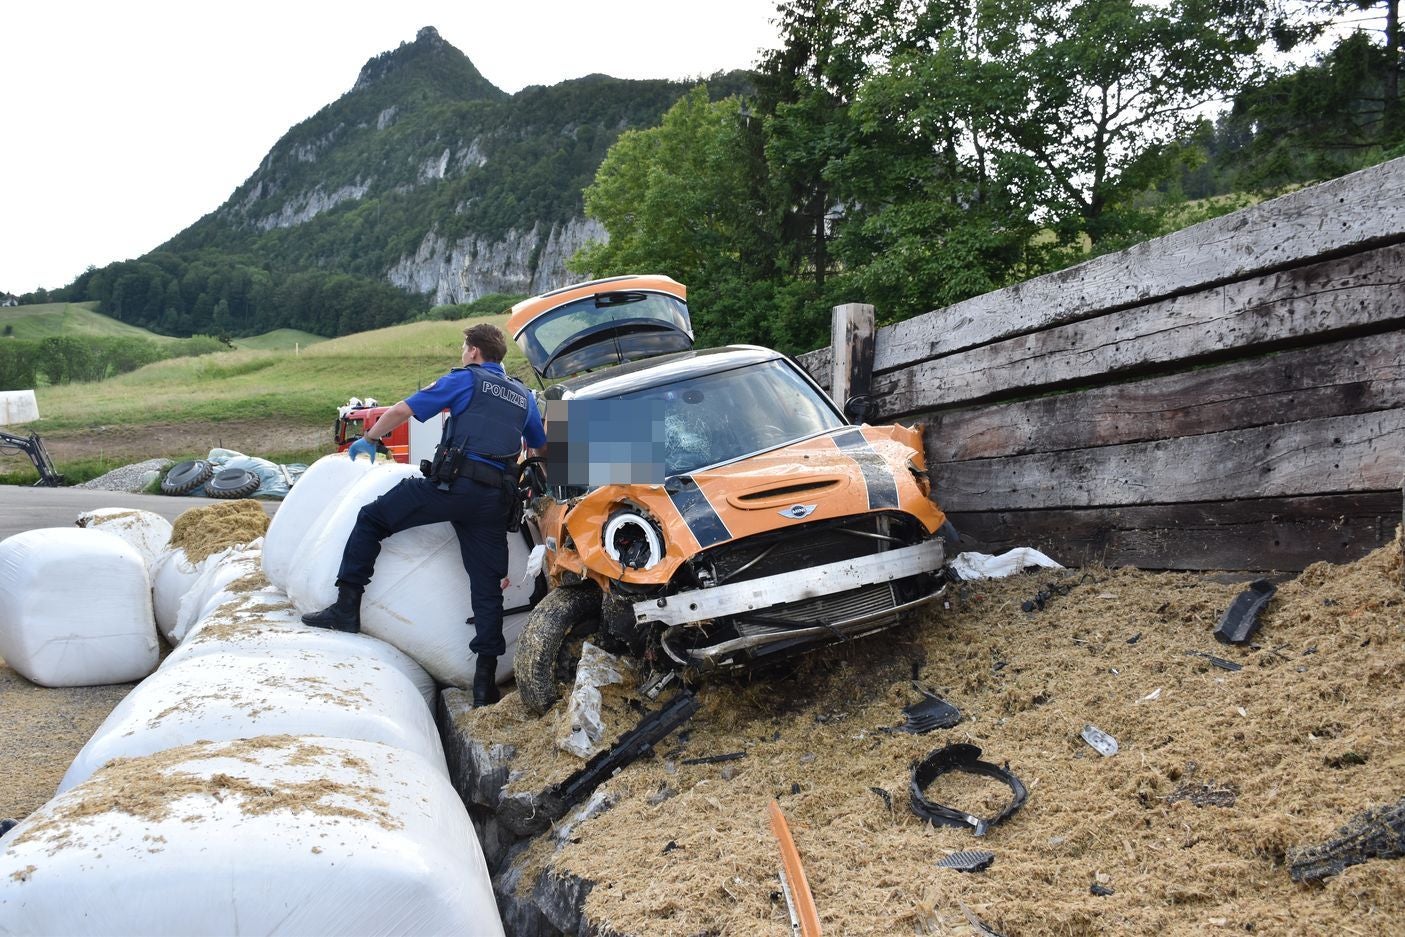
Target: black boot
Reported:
[(342, 615), (485, 682)]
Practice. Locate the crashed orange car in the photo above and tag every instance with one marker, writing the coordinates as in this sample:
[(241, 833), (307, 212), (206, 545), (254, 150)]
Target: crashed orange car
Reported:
[(707, 509)]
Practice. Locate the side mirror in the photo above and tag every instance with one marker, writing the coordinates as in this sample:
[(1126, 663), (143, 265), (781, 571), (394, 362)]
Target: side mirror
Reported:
[(860, 408)]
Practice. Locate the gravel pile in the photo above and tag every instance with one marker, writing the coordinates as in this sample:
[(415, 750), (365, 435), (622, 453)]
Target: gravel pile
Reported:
[(133, 478)]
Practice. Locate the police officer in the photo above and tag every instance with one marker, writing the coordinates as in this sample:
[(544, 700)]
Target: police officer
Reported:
[(470, 484)]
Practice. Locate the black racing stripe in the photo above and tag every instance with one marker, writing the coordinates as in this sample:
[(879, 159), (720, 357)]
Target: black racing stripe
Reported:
[(882, 489), (697, 512)]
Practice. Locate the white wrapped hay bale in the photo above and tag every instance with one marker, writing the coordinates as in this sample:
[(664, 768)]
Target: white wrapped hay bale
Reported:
[(301, 512), (269, 835), (174, 575), (419, 596), (75, 608), (146, 531), (265, 624), (229, 695), (236, 569)]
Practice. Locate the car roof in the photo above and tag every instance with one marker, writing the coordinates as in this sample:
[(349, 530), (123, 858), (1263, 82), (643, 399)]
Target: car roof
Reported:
[(665, 369)]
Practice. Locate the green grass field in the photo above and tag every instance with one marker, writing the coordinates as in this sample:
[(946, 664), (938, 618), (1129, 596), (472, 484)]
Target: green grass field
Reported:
[(279, 340), (301, 386), (44, 320)]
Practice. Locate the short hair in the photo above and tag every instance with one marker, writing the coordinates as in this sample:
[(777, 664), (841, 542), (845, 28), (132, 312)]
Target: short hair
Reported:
[(488, 339)]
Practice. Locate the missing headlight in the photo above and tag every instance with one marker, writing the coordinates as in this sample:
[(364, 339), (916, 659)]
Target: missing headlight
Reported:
[(632, 540)]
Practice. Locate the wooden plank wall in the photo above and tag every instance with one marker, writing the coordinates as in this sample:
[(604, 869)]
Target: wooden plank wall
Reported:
[(1230, 396)]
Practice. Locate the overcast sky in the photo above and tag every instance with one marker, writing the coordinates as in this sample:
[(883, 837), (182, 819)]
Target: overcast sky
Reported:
[(121, 123)]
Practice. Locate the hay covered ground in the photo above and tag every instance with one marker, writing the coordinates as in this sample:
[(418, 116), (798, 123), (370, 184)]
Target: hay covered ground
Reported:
[(1220, 775)]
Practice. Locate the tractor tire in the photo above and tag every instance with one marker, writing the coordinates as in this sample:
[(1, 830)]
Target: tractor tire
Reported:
[(549, 648), (185, 477), (232, 483)]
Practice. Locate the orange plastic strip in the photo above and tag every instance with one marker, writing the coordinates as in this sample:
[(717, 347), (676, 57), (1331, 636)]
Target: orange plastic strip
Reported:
[(795, 874)]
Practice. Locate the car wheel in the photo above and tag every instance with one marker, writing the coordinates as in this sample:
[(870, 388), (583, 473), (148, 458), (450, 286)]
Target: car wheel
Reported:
[(185, 477), (549, 648), (232, 483)]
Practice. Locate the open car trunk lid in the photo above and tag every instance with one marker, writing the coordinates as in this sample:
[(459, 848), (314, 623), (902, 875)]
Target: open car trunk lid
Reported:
[(602, 323)]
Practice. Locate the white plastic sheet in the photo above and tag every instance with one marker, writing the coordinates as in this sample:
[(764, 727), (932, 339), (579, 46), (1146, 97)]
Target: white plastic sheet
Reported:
[(986, 566), (273, 836), (148, 532), (419, 597), (303, 510), (583, 728), (75, 608), (227, 695)]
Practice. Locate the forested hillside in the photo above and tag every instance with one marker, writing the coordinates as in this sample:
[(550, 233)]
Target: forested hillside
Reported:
[(422, 144)]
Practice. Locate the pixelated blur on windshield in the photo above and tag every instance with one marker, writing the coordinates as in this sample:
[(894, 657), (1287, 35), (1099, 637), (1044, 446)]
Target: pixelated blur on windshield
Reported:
[(719, 417)]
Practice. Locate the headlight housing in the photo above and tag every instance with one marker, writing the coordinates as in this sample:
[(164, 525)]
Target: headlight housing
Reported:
[(632, 539)]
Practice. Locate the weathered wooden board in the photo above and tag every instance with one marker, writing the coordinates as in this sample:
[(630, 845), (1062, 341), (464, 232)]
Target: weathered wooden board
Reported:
[(1364, 209), (1258, 534), (852, 344), (1365, 291), (1359, 452), (1353, 376)]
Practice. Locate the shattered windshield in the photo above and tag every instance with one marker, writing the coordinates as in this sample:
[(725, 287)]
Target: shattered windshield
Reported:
[(719, 417)]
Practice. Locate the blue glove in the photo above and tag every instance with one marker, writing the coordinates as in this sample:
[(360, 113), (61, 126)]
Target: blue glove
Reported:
[(363, 445)]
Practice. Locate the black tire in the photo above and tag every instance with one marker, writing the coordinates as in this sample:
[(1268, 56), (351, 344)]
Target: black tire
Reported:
[(232, 483), (185, 477), (547, 651)]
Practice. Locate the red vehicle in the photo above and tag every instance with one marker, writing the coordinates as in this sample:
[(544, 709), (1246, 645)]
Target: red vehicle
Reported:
[(409, 442)]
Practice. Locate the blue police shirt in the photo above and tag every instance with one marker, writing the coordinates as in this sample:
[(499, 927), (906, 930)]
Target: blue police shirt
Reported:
[(454, 391)]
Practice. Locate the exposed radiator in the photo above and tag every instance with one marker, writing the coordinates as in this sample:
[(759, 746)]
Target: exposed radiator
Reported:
[(826, 609)]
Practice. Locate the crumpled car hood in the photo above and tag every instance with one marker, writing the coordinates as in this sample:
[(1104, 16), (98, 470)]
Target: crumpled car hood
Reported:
[(856, 470)]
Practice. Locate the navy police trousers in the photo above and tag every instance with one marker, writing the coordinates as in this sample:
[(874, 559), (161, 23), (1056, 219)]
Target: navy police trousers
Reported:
[(478, 513)]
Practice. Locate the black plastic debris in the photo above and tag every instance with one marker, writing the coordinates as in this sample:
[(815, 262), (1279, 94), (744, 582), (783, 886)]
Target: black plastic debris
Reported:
[(1219, 662), (1241, 619), (7, 824), (1378, 833), (1044, 595), (960, 757), (1102, 891), (887, 798), (967, 860), (714, 759), (1135, 638), (932, 712)]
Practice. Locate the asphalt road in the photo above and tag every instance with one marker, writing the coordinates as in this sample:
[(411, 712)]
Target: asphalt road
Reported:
[(23, 508)]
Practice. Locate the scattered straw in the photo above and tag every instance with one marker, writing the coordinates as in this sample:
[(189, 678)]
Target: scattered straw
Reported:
[(1219, 774), (203, 531)]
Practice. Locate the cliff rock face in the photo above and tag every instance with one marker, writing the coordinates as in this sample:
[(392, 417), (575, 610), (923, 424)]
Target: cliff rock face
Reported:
[(531, 261)]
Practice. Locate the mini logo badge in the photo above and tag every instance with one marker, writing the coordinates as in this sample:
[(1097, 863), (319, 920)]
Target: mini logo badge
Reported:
[(798, 511)]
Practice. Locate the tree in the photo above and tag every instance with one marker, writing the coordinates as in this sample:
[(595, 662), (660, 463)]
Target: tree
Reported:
[(677, 199)]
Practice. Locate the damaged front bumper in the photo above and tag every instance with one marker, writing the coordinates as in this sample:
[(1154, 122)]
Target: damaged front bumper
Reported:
[(769, 592)]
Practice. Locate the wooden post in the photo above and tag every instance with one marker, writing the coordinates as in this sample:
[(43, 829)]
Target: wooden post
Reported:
[(851, 336)]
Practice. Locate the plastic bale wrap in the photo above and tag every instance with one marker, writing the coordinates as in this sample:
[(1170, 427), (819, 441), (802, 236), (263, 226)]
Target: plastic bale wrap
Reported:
[(311, 580), (216, 574), (275, 479), (173, 577), (302, 512), (265, 624), (147, 532), (228, 695), (75, 608), (269, 835), (419, 597)]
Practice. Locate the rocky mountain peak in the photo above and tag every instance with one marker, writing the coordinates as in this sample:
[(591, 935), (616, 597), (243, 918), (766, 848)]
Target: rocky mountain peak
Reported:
[(431, 55)]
